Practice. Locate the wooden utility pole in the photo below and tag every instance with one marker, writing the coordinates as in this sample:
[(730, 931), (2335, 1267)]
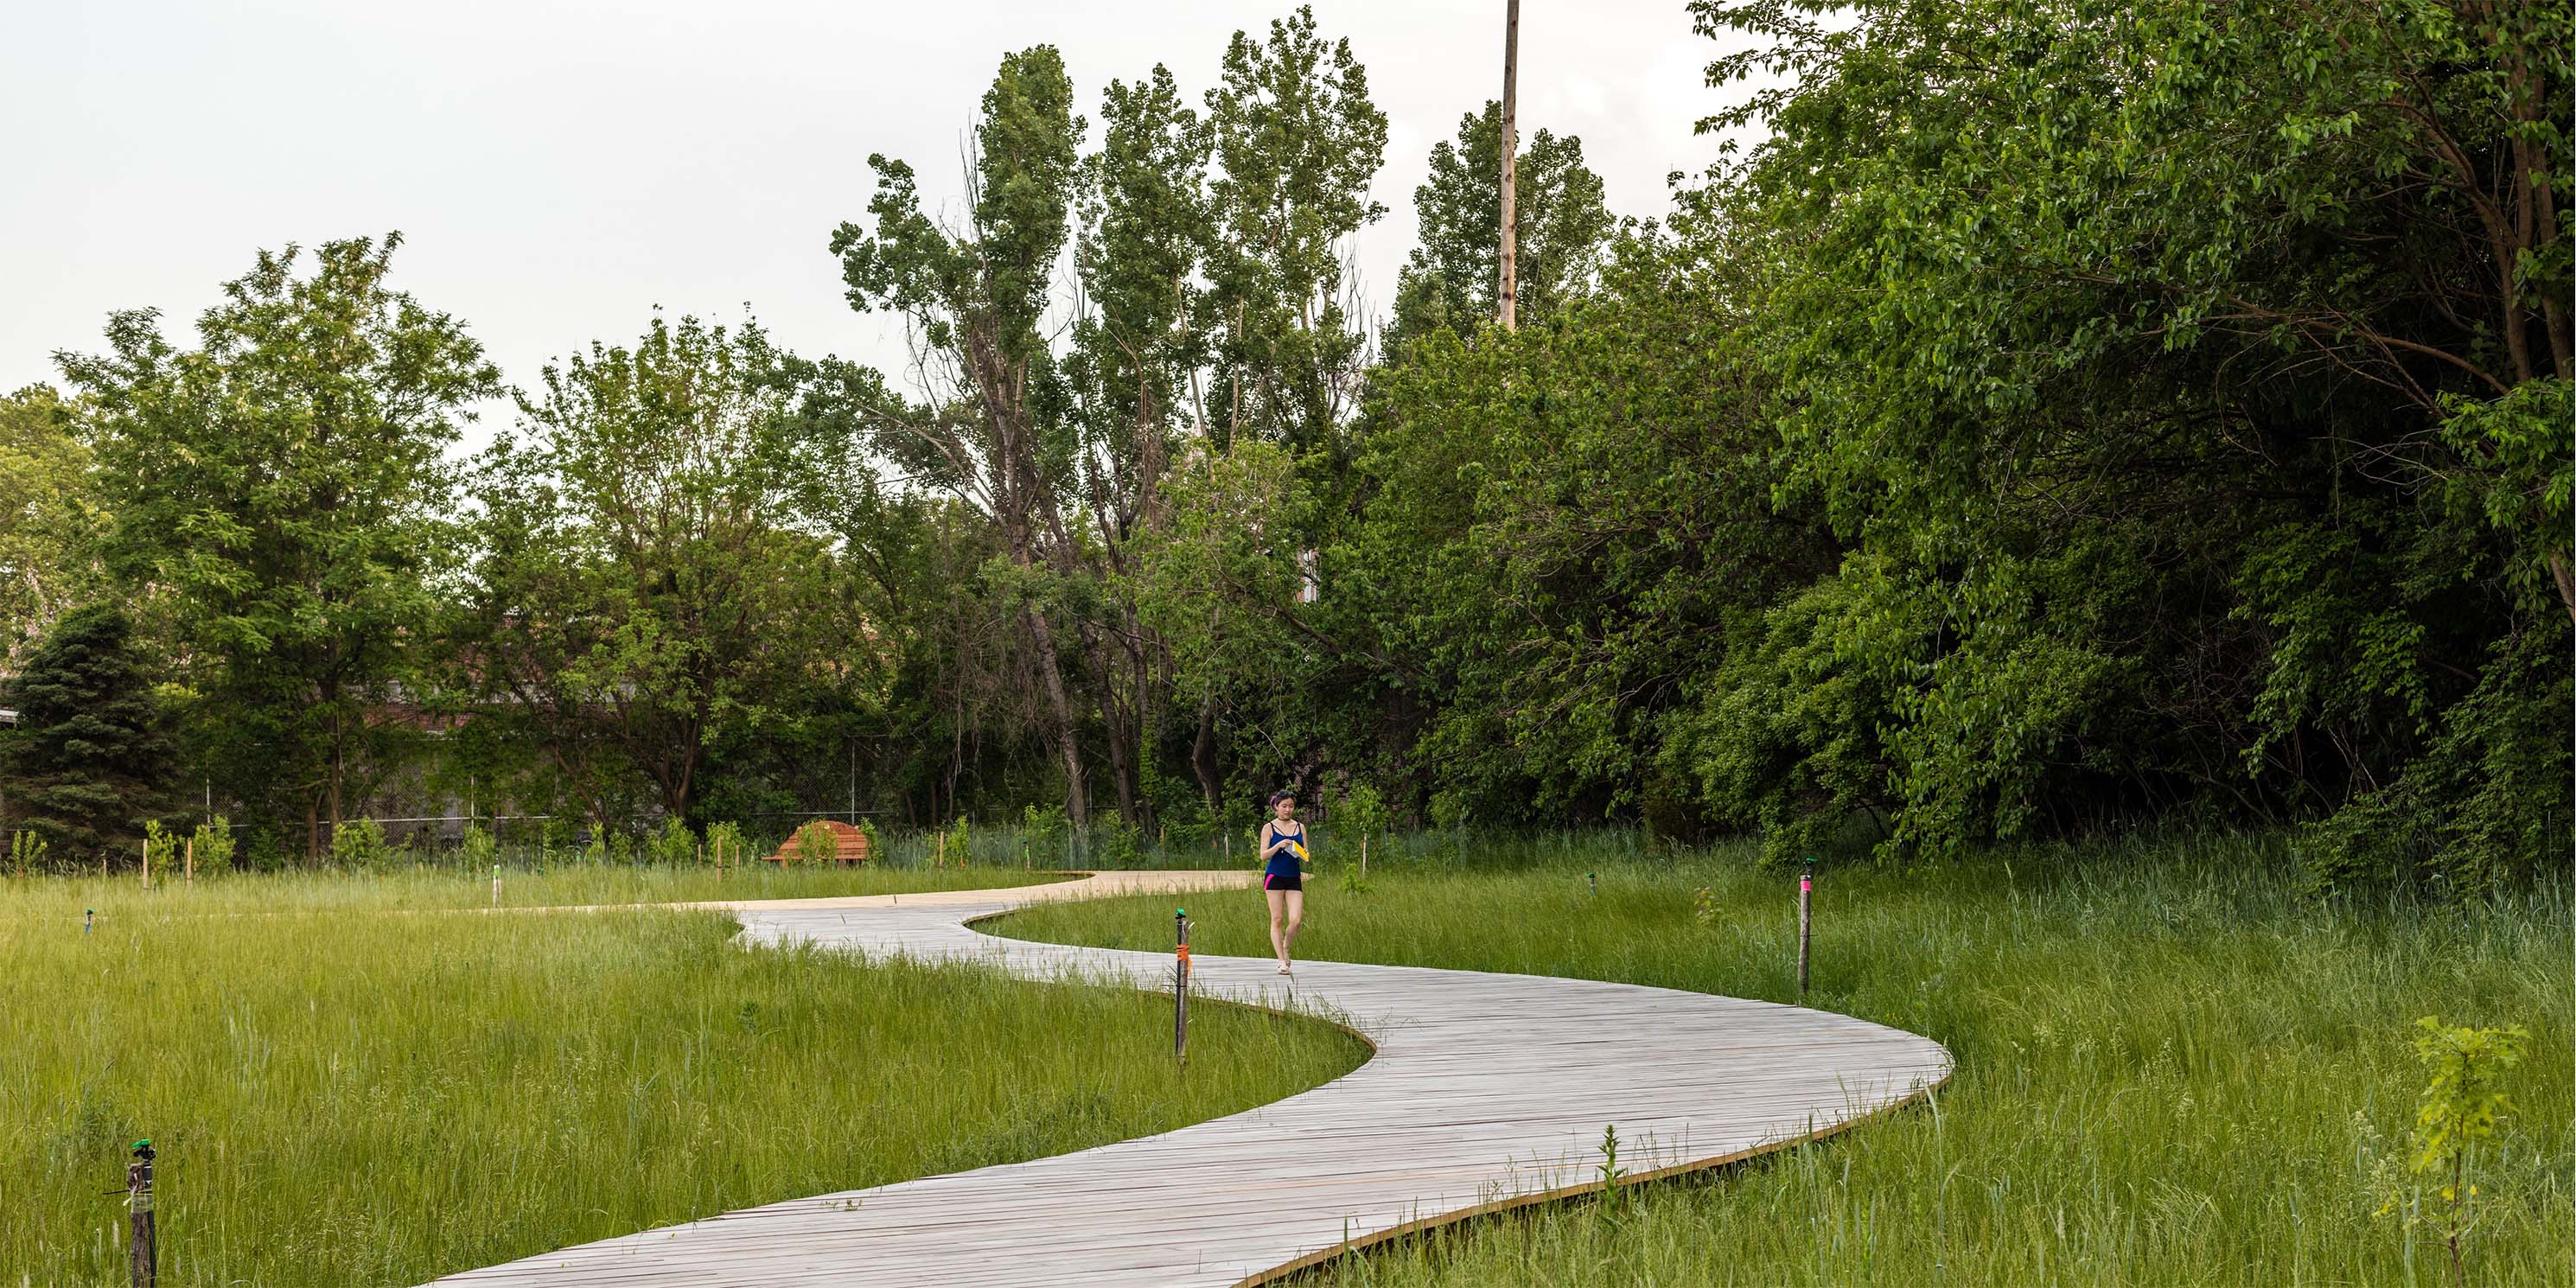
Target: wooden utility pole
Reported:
[(1508, 289)]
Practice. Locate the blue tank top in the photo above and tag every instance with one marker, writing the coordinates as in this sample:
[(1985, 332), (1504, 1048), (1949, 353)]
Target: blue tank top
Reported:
[(1285, 861)]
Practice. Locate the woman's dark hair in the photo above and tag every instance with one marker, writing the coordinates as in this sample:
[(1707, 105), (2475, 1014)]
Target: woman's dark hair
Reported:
[(1276, 797)]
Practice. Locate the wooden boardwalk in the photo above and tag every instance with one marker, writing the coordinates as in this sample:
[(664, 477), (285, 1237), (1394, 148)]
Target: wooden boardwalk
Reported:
[(1487, 1091)]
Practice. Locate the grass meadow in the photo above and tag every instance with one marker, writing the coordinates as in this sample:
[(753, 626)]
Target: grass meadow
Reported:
[(344, 1097), (426, 887), (2173, 1068)]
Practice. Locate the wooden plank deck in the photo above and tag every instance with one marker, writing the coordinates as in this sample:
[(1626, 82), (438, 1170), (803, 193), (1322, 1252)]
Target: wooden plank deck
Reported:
[(1486, 1091)]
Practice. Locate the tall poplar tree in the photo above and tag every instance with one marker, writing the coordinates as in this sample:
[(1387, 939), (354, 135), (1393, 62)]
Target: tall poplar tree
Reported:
[(1135, 367), (1563, 228), (995, 433), (1298, 142)]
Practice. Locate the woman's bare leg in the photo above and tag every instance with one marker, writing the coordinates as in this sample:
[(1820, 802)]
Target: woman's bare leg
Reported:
[(1278, 909), (1287, 939)]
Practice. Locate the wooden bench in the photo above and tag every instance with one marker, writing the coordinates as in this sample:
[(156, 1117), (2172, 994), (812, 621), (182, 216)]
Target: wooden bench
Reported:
[(849, 844)]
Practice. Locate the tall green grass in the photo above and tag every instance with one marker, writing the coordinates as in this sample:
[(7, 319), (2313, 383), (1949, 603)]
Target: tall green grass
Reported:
[(423, 888), (351, 1099), (2172, 1068)]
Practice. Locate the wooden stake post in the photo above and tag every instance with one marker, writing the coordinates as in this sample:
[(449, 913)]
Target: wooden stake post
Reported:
[(1806, 888), (146, 1259), (1181, 987)]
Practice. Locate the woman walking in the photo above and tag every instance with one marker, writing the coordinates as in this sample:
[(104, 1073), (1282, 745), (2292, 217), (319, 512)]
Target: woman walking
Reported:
[(1283, 873)]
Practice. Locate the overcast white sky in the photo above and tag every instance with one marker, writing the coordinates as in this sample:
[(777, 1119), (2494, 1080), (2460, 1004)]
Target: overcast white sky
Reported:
[(559, 169)]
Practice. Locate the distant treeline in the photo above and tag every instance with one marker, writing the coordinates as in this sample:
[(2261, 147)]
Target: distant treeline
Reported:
[(2076, 415)]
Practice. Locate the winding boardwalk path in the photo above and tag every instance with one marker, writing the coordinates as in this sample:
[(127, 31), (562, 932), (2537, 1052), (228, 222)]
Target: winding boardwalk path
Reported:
[(1487, 1091)]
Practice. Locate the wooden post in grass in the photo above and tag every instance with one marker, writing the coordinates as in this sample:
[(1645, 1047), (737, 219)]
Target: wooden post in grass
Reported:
[(1806, 888), (188, 856), (1181, 987), (496, 885), (146, 1261), (147, 864)]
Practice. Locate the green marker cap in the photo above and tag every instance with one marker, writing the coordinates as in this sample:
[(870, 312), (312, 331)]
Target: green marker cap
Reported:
[(145, 1143)]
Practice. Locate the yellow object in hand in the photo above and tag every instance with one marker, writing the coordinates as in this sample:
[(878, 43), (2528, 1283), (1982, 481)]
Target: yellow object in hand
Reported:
[(1299, 850)]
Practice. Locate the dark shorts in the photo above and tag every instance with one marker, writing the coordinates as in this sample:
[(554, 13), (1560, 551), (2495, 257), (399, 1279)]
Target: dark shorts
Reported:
[(1282, 879)]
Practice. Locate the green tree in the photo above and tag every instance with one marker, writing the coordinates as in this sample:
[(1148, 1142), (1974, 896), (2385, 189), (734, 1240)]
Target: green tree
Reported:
[(281, 504), (48, 519), (913, 558), (2131, 362), (997, 437), (645, 588), (1562, 230), (1362, 811), (1208, 249), (1134, 369), (1564, 527), (89, 760), (1297, 143)]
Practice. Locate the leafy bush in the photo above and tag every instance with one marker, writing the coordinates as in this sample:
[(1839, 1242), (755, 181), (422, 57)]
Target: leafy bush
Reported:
[(262, 849), (675, 845), (213, 840), (724, 844), (1115, 843), (815, 844), (951, 846), (2487, 797), (477, 848), (609, 846), (1042, 830), (358, 845), (1364, 814), (1188, 825), (26, 852), (1705, 908), (2463, 1105)]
